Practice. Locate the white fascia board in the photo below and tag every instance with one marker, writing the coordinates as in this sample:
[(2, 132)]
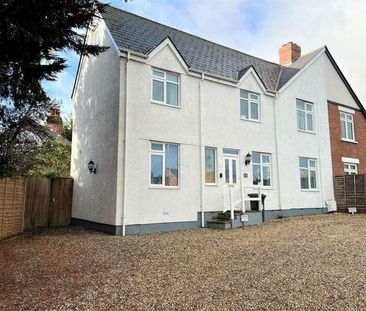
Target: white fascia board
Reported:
[(169, 43), (300, 72), (350, 160)]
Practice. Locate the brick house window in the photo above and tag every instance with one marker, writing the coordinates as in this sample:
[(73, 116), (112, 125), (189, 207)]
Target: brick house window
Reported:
[(308, 173), (305, 116), (347, 126), (249, 106), (350, 169), (165, 88), (164, 164)]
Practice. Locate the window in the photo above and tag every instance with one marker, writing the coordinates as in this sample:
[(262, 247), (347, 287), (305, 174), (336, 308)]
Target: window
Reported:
[(261, 169), (165, 88), (305, 116), (350, 169), (308, 174), (210, 165), (347, 126), (164, 164), (249, 106)]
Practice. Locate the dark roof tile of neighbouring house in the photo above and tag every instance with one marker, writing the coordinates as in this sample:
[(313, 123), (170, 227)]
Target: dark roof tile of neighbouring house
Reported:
[(141, 35)]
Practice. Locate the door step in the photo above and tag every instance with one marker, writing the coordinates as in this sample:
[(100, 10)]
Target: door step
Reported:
[(223, 220)]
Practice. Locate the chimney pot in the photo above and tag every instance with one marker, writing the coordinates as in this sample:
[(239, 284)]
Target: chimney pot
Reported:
[(289, 53)]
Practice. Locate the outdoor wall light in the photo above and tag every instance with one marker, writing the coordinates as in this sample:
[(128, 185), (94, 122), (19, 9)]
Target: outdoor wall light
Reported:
[(248, 159), (91, 167)]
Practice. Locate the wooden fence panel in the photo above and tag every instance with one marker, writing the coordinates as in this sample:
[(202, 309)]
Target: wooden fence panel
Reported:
[(11, 206), (350, 191), (60, 201), (37, 202)]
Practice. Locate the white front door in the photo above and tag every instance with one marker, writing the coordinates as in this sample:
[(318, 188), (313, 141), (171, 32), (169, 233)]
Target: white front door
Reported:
[(231, 163)]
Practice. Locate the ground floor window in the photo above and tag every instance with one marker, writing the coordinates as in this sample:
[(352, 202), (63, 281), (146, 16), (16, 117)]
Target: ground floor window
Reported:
[(350, 168), (210, 165), (308, 173), (262, 169), (164, 164)]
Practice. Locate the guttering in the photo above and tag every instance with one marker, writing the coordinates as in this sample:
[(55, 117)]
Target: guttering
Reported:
[(201, 148), (129, 52), (125, 150)]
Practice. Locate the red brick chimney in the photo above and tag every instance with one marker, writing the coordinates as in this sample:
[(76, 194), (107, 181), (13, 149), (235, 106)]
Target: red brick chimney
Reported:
[(54, 121), (289, 53)]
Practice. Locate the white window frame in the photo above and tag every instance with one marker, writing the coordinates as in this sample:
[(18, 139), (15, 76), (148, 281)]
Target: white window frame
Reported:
[(215, 155), (309, 169), (250, 100), (263, 164), (162, 153), (306, 103), (165, 81), (343, 118), (348, 170)]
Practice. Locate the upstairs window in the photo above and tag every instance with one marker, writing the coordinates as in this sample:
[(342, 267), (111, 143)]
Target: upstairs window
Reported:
[(305, 116), (347, 126), (308, 174), (165, 88), (164, 164), (261, 169), (249, 106)]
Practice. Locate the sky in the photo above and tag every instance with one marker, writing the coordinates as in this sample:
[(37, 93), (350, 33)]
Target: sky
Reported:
[(257, 28)]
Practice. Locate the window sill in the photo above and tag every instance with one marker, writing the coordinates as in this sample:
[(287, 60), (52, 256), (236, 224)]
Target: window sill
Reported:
[(163, 104), (211, 185), (307, 132), (251, 120), (349, 141), (164, 188), (309, 190)]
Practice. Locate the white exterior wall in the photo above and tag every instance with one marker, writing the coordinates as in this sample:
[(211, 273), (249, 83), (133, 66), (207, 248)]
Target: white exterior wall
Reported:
[(95, 131), (292, 144)]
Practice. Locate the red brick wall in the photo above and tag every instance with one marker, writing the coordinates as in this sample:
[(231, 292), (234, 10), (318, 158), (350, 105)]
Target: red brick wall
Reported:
[(345, 149)]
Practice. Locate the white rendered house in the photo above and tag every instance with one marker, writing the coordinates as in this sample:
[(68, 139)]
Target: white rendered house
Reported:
[(171, 120)]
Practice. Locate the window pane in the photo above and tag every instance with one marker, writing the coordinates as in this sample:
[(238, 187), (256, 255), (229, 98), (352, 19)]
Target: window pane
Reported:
[(158, 74), (227, 179), (256, 157), (350, 130), (171, 165), (304, 179), (172, 78), (254, 111), (309, 107), (253, 96), (266, 176), (172, 94), (234, 170), (158, 90), (210, 166), (343, 129), (300, 105), (256, 174), (158, 147), (303, 162), (265, 158), (301, 120), (244, 110), (312, 163), (156, 169), (244, 94), (348, 117), (312, 179), (309, 120)]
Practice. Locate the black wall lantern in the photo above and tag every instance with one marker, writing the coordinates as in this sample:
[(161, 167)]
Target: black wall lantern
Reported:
[(248, 159), (91, 167)]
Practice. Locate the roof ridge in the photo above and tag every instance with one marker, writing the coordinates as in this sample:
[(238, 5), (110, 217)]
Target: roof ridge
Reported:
[(193, 35)]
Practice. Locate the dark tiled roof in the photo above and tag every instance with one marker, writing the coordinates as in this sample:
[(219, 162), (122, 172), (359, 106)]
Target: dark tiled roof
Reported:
[(141, 35)]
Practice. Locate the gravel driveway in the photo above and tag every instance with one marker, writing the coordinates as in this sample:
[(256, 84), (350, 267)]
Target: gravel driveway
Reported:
[(314, 262)]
